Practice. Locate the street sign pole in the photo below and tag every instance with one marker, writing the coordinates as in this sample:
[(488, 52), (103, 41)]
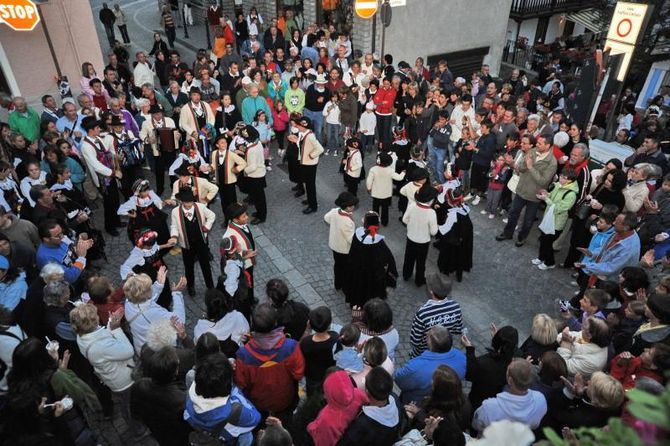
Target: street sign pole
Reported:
[(386, 21)]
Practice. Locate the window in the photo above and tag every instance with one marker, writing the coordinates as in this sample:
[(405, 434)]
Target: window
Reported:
[(461, 63)]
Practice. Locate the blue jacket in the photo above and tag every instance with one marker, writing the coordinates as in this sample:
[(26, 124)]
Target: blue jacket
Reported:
[(12, 293), (251, 105), (624, 253), (598, 241), (64, 257), (206, 413), (415, 377), (78, 175)]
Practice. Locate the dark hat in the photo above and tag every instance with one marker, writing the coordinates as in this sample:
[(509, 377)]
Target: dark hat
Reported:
[(185, 195), (353, 142), (659, 305), (155, 109), (228, 244), (371, 218), (403, 65), (250, 134), (141, 185), (426, 194), (183, 170), (194, 90), (89, 123), (416, 151), (455, 197), (418, 174), (302, 121), (116, 121), (346, 199), (385, 159), (234, 210)]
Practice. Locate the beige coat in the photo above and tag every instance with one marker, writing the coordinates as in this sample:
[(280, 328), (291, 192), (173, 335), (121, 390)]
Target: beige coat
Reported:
[(342, 228), (310, 150), (255, 161), (409, 189), (186, 121), (206, 191), (236, 164), (232, 230), (354, 164), (635, 195), (380, 181), (421, 222), (207, 219)]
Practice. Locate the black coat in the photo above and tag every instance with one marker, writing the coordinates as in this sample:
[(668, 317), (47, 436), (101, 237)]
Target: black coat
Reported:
[(161, 408), (488, 374), (535, 350), (564, 412), (364, 430), (456, 246), (372, 269), (293, 317)]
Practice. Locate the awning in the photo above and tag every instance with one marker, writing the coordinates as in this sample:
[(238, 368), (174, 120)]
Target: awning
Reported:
[(591, 19)]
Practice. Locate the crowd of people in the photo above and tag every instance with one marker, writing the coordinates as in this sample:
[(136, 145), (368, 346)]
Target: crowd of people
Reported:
[(75, 344)]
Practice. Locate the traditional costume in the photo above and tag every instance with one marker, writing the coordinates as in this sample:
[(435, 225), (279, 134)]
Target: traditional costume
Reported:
[(226, 165), (190, 226), (254, 173), (379, 183), (354, 170), (196, 119), (371, 264), (145, 211), (421, 222), (455, 234), (309, 151), (129, 153), (235, 280), (162, 138), (340, 234), (244, 239), (10, 197), (203, 190)]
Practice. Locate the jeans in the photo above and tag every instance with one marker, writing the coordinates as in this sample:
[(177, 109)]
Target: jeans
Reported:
[(317, 122), (436, 157), (493, 200), (333, 137), (515, 211)]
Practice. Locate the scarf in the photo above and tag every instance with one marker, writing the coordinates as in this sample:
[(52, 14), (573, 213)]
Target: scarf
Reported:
[(267, 341)]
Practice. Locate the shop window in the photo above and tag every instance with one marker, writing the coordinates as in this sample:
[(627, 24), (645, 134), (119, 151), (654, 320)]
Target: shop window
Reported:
[(461, 63)]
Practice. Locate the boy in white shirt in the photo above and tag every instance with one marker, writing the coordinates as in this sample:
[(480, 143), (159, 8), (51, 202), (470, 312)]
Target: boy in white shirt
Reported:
[(367, 125), (333, 135)]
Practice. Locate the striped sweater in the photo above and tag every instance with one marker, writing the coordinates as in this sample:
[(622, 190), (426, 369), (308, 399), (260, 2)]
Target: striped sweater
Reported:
[(445, 312)]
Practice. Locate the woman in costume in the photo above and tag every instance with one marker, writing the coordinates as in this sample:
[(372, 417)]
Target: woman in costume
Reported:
[(145, 211)]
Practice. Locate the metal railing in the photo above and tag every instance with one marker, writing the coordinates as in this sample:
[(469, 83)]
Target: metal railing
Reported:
[(524, 9), (522, 55)]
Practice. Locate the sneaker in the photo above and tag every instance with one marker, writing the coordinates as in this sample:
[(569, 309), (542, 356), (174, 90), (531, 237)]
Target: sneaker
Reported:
[(519, 243), (544, 267), (327, 152), (573, 283), (335, 153), (492, 216), (468, 197), (476, 201), (269, 168), (483, 211), (536, 262), (505, 220)]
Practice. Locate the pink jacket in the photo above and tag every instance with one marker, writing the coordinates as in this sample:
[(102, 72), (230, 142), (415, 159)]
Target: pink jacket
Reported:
[(279, 120), (344, 401)]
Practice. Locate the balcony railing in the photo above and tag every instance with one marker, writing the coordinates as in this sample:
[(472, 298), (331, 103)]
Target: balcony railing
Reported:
[(522, 55), (528, 9)]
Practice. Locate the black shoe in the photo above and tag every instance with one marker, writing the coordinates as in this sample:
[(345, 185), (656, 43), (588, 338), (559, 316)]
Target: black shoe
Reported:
[(519, 243), (296, 188), (299, 193), (308, 210), (191, 291), (501, 237), (113, 232), (459, 276), (305, 202), (256, 221)]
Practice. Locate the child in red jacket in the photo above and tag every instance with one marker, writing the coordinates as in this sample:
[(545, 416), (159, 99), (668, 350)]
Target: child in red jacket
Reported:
[(626, 368), (280, 120)]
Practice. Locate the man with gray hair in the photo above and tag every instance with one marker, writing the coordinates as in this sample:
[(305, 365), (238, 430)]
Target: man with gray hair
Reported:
[(580, 236), (416, 376), (438, 310), (143, 72), (516, 403), (24, 120), (129, 123)]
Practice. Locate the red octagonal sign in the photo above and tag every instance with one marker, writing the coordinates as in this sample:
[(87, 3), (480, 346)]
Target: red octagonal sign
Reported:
[(20, 15)]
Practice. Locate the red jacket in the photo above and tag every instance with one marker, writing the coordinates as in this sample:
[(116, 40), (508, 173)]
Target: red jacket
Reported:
[(383, 100), (627, 373), (269, 377)]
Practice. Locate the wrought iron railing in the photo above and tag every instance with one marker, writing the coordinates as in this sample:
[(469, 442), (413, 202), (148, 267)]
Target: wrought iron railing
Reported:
[(525, 9)]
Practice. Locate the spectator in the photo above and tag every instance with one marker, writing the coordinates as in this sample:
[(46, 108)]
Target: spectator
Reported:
[(414, 378), (13, 286), (552, 369), (317, 349), (585, 352), (11, 334), (269, 366), (24, 120), (374, 355), (648, 152), (657, 311), (637, 191), (158, 399), (516, 403), (542, 338), (227, 324), (438, 310), (376, 319), (216, 408), (291, 314)]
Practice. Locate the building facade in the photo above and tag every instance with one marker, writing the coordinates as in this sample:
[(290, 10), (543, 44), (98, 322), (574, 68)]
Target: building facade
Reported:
[(27, 66)]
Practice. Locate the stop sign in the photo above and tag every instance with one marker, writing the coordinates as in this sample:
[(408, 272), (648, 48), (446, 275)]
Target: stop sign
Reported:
[(20, 15), (365, 9)]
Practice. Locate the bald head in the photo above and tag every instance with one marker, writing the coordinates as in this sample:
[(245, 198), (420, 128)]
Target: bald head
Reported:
[(520, 375)]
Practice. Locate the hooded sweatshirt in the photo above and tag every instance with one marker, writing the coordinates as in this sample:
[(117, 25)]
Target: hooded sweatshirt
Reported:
[(205, 413), (375, 426), (528, 409), (343, 403)]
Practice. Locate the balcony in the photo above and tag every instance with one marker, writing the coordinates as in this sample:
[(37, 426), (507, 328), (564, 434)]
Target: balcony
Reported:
[(529, 9)]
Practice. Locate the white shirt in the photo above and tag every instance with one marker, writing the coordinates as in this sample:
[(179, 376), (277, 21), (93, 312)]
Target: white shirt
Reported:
[(233, 325), (27, 183), (332, 113), (143, 74)]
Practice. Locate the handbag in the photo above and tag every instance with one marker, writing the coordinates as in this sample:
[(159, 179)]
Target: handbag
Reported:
[(548, 225), (583, 210)]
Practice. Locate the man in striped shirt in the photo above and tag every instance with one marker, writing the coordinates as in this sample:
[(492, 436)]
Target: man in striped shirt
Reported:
[(438, 310)]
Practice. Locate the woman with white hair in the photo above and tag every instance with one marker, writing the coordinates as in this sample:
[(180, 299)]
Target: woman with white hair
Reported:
[(143, 105), (141, 308), (169, 333), (637, 191), (31, 314), (585, 352)]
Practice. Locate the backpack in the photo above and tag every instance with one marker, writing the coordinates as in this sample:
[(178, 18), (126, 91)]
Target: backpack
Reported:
[(200, 437)]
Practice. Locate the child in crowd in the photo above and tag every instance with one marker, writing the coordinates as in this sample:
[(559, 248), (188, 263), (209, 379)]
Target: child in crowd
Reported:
[(627, 368), (367, 125), (624, 329), (264, 135), (346, 354), (463, 158), (331, 111), (602, 229), (592, 304), (280, 121), (317, 349), (353, 169), (499, 174), (663, 286)]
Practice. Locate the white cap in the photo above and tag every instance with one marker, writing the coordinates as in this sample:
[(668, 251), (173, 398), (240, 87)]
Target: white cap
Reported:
[(561, 139), (246, 80)]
